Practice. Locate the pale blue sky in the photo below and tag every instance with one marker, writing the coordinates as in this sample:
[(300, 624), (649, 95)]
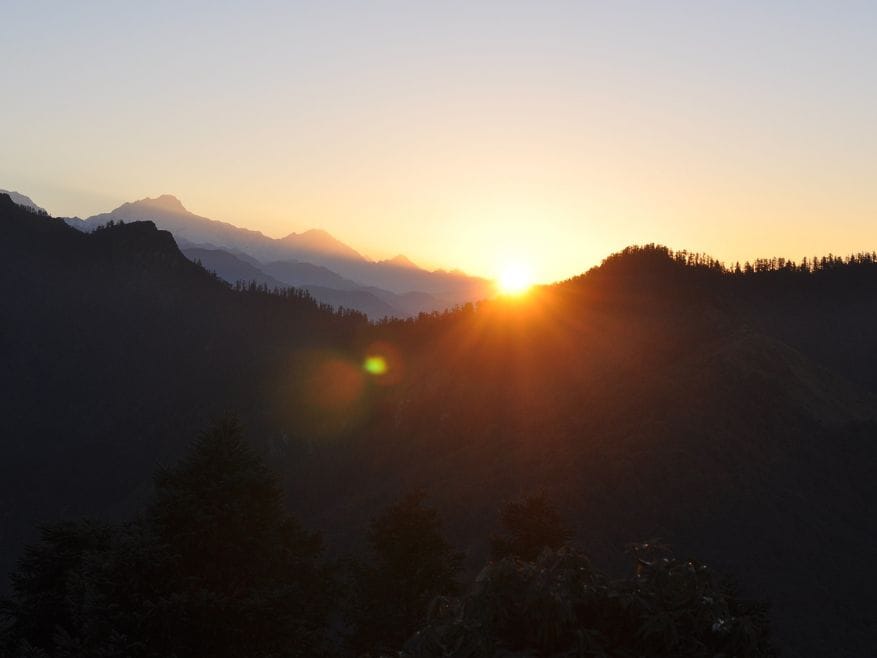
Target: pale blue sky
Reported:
[(461, 133)]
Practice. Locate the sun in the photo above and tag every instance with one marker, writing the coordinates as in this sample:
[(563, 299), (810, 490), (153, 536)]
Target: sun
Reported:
[(515, 280)]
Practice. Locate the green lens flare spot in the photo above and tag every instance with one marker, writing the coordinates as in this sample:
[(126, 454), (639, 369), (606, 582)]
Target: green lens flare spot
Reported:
[(375, 365)]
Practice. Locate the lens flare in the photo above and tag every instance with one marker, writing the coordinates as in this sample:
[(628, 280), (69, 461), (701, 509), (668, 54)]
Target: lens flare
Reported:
[(375, 365)]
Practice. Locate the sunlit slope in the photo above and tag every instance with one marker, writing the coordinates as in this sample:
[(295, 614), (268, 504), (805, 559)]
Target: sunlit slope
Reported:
[(652, 400)]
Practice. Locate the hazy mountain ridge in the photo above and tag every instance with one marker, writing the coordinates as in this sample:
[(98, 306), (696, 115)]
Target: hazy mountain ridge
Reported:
[(322, 283), (319, 241), (298, 273), (168, 212), (730, 415), (230, 268), (400, 260), (23, 200), (335, 291), (398, 275)]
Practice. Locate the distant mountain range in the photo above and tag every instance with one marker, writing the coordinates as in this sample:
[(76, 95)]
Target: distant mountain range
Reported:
[(330, 270), (231, 268)]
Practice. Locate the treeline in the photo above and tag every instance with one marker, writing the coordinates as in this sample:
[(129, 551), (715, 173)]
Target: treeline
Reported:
[(759, 265), (216, 567), (253, 288), (40, 212), (686, 267)]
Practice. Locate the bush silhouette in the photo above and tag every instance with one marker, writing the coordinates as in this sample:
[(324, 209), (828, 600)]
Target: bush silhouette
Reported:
[(530, 525), (560, 605), (411, 564), (215, 567)]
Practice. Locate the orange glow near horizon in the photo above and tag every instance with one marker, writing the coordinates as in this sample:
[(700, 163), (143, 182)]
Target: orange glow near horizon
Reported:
[(450, 133)]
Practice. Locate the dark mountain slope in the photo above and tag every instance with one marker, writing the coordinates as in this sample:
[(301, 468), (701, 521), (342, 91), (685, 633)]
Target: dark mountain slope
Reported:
[(116, 349), (649, 397), (653, 399), (23, 200), (359, 300)]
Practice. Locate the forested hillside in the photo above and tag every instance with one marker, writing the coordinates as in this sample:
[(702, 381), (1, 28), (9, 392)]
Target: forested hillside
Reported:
[(656, 396), (729, 412), (115, 346)]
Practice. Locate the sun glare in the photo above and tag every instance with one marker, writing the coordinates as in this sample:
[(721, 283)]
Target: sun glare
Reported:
[(515, 280)]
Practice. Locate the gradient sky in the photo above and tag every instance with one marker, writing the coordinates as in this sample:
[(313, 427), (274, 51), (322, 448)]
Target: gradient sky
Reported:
[(463, 134)]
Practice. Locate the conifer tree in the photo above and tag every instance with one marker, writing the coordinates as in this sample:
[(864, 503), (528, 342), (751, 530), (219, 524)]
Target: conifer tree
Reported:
[(530, 525), (412, 563)]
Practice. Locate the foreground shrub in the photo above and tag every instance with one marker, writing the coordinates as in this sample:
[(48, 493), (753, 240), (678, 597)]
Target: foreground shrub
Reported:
[(560, 605)]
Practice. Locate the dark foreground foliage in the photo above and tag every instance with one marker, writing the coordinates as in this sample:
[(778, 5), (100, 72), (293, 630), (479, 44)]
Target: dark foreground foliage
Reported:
[(530, 525), (411, 564), (560, 605), (215, 567)]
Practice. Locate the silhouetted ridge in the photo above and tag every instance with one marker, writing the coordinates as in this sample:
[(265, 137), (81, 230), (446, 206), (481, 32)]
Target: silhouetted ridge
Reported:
[(116, 343), (653, 274), (16, 217), (138, 237), (653, 266), (650, 278), (25, 201), (729, 411), (658, 260)]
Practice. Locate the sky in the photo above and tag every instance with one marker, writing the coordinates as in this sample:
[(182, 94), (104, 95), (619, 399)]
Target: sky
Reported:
[(462, 134)]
